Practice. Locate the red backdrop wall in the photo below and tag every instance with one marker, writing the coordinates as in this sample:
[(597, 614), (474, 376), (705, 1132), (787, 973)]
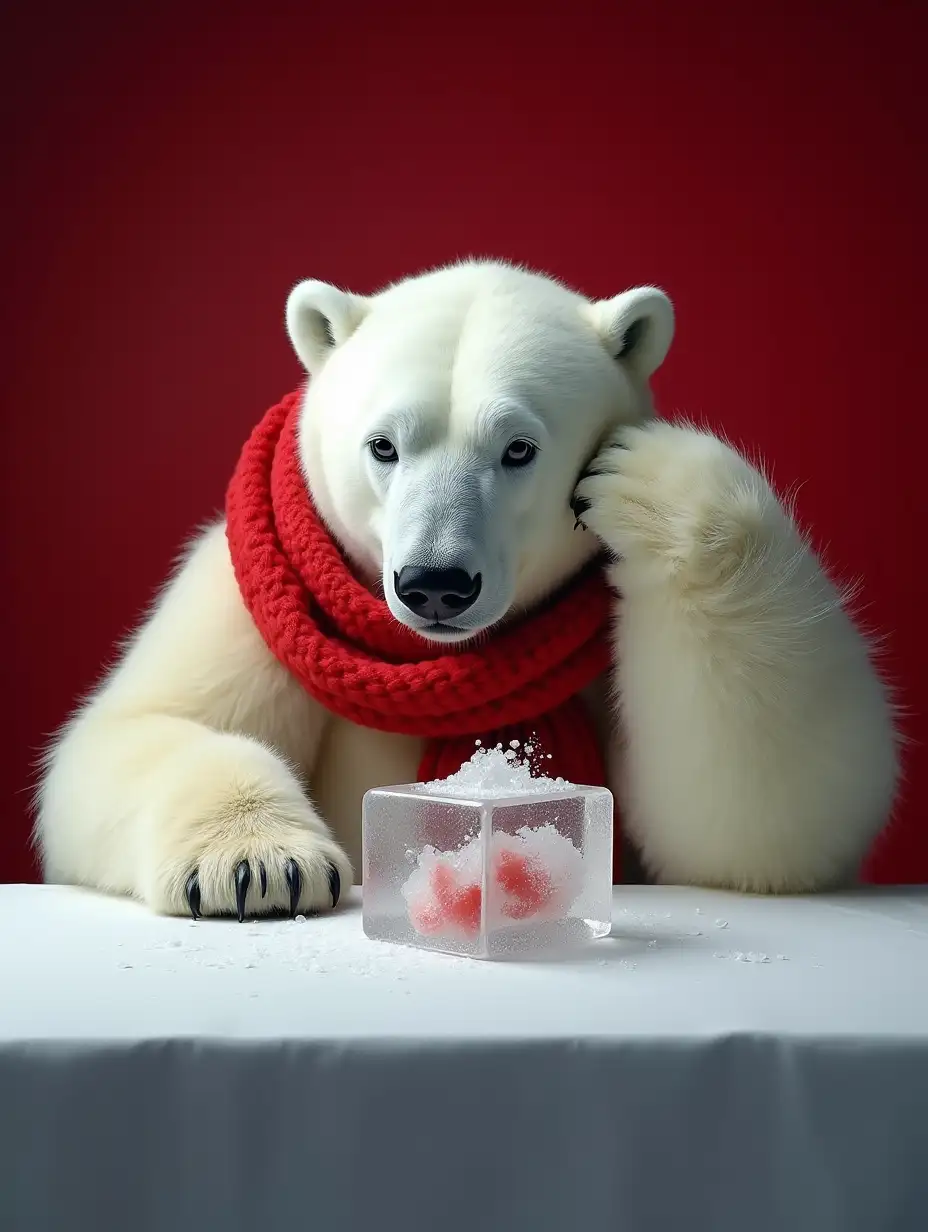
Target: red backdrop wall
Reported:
[(171, 172)]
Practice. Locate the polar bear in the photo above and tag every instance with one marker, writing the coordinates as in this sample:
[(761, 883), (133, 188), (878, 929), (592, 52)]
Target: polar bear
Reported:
[(474, 438)]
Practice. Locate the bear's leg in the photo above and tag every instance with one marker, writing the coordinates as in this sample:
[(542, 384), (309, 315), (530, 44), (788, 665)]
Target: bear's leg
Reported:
[(187, 819), (758, 746), (182, 780)]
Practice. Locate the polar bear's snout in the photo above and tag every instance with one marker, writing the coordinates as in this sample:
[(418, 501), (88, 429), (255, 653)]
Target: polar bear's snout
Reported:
[(447, 545), (437, 595)]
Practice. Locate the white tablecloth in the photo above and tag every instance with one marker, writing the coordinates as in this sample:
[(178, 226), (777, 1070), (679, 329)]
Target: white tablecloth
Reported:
[(720, 1063)]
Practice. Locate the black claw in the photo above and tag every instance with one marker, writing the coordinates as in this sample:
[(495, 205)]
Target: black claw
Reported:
[(295, 881), (335, 884), (242, 882), (578, 507), (192, 894), (262, 873)]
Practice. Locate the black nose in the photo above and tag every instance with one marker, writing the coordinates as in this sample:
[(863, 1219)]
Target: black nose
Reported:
[(436, 594)]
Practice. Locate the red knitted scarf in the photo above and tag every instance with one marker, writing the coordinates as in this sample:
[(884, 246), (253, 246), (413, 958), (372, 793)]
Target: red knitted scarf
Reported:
[(346, 648)]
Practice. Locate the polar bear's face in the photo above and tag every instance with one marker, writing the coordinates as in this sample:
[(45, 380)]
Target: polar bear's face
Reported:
[(447, 422)]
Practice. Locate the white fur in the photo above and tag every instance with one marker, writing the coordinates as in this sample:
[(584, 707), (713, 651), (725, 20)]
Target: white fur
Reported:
[(751, 738), (759, 751)]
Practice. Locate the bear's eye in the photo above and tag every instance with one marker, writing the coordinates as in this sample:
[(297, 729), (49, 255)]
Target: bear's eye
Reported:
[(519, 453), (383, 450)]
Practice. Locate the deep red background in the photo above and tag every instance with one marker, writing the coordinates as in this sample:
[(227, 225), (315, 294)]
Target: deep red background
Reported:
[(171, 172)]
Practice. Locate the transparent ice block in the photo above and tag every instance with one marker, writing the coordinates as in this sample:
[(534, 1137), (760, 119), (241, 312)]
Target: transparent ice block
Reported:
[(487, 877)]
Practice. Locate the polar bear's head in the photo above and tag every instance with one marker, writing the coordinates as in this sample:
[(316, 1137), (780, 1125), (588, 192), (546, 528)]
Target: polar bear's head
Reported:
[(448, 420)]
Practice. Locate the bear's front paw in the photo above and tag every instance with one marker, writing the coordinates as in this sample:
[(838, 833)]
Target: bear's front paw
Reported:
[(675, 498), (261, 874), (231, 838)]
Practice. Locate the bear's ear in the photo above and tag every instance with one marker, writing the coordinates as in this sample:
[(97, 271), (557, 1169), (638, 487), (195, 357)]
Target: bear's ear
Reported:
[(320, 318), (636, 328)]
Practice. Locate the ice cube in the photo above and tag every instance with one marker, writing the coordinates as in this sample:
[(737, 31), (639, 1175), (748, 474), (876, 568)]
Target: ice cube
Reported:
[(503, 862)]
